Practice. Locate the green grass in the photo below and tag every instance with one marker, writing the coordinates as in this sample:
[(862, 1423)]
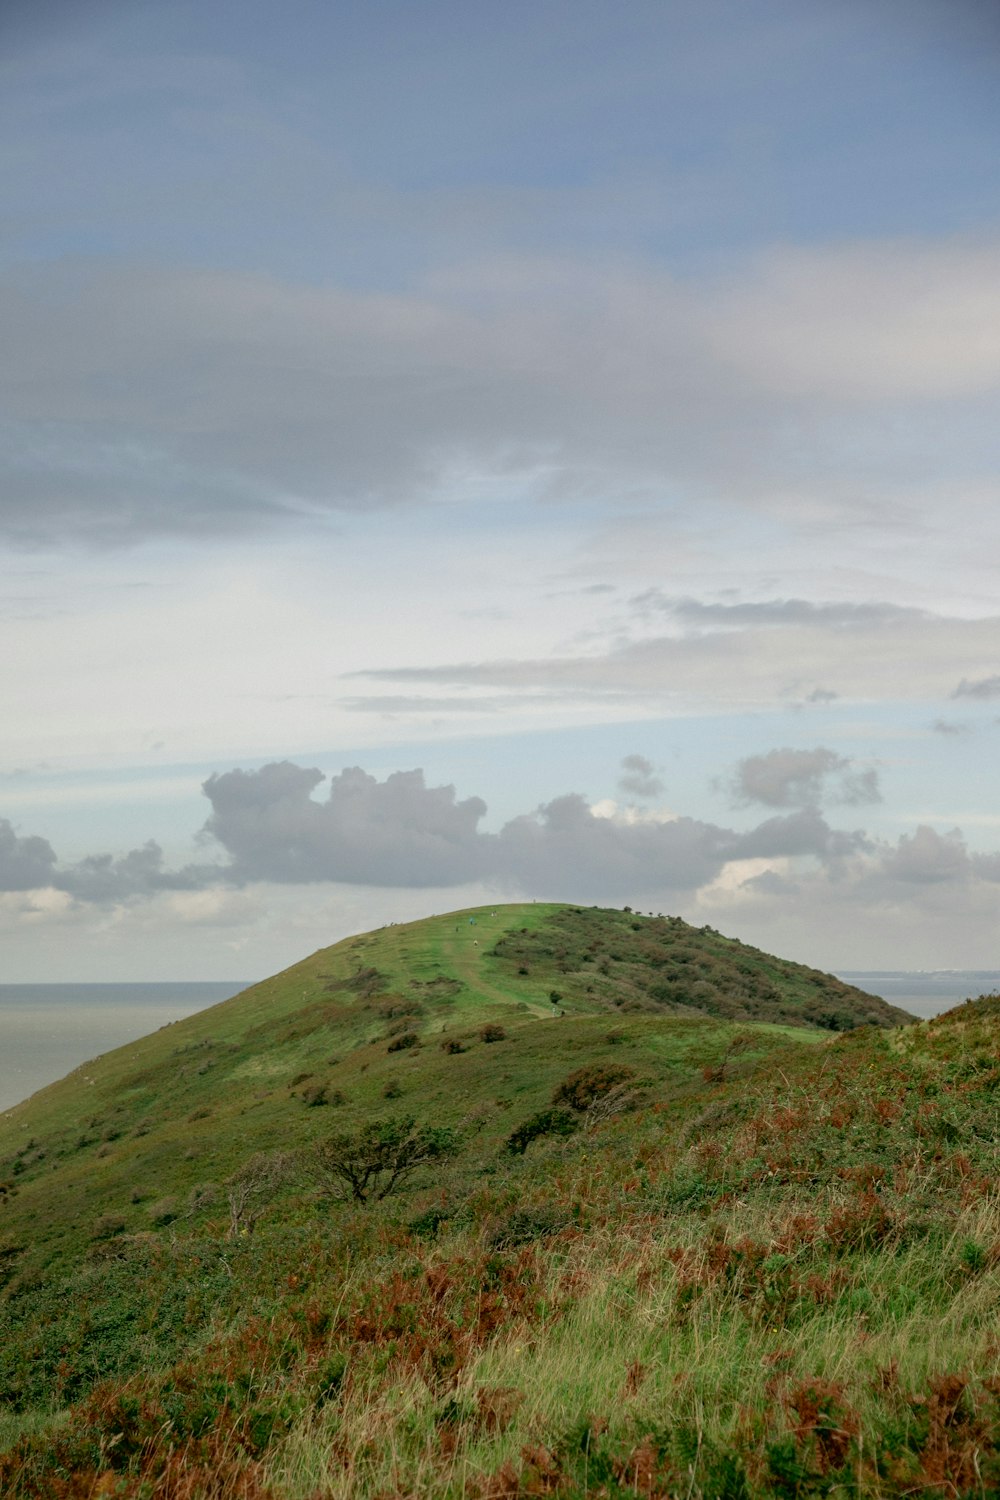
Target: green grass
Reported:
[(763, 1261)]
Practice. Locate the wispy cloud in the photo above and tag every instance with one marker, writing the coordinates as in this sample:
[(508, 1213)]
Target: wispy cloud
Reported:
[(981, 687), (767, 653), (146, 400)]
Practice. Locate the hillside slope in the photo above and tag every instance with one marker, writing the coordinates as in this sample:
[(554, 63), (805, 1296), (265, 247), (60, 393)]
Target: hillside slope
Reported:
[(394, 1223)]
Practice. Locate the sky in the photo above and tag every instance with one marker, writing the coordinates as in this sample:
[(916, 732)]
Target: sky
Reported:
[(470, 453)]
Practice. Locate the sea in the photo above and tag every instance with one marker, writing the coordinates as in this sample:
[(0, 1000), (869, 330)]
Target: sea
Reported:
[(924, 992), (46, 1030)]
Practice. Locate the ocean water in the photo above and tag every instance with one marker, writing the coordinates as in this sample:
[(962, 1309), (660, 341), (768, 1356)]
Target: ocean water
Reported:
[(924, 992), (46, 1030)]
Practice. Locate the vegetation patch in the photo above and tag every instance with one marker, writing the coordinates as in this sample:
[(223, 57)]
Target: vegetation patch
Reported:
[(676, 1253)]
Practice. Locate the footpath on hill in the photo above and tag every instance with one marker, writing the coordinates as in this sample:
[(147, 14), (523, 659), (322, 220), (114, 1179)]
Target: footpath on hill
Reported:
[(463, 948)]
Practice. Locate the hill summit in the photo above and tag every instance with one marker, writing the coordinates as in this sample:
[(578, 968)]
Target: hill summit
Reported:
[(536, 1200)]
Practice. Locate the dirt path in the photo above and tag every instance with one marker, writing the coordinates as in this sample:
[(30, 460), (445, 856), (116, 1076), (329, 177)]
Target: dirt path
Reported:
[(459, 951)]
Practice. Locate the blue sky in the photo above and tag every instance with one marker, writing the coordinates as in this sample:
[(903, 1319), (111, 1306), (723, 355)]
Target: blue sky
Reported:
[(579, 418)]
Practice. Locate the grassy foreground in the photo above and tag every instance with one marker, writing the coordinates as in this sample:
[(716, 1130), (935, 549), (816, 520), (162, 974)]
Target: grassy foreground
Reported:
[(646, 1252)]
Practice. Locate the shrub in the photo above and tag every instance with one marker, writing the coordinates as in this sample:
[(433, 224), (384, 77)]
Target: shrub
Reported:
[(545, 1122), (582, 1088), (453, 1045), (329, 1378), (378, 1159), (404, 1042), (523, 1225), (491, 1032), (315, 1095), (108, 1225), (164, 1212)]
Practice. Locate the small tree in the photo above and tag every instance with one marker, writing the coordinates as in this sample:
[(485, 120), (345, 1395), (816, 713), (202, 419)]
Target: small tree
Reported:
[(379, 1158), (253, 1186)]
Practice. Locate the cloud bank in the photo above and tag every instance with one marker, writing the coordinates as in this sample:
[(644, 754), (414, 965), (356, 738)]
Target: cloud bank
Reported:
[(273, 826), (683, 651), (142, 400)]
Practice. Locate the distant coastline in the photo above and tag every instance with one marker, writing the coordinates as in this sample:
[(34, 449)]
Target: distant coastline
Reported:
[(49, 1029), (924, 992)]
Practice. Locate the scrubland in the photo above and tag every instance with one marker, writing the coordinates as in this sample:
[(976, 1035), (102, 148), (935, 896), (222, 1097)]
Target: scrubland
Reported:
[(540, 1202)]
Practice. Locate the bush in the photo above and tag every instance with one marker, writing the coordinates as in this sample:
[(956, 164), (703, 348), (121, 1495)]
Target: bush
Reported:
[(491, 1032), (164, 1212), (582, 1088), (378, 1159), (404, 1042), (523, 1225), (453, 1045), (107, 1226), (545, 1122)]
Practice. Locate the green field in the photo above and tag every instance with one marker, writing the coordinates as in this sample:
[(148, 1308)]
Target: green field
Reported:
[(670, 1218)]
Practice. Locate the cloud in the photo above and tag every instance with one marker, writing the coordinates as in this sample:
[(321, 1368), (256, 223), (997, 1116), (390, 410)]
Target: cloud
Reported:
[(802, 778), (948, 727), (745, 655), (697, 614), (103, 878), (277, 831), (398, 832), (982, 687), (25, 863), (143, 400), (639, 779), (927, 856)]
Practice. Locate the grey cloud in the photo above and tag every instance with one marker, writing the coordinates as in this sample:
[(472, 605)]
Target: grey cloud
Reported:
[(927, 857), (981, 687), (401, 833), (802, 778), (398, 703), (640, 778), (821, 695), (143, 400), (563, 846), (699, 615), (25, 863), (395, 832), (947, 727), (30, 863), (804, 832), (103, 878)]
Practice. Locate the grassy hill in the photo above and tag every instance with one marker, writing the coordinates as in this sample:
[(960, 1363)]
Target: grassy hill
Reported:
[(535, 1201)]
